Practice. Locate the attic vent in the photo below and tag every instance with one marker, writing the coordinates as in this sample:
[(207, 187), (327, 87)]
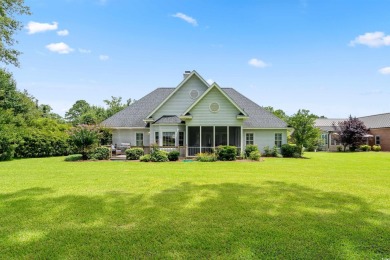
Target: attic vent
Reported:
[(214, 107), (194, 93)]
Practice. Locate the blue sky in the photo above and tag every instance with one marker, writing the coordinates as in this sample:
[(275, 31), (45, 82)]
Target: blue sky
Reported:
[(331, 57)]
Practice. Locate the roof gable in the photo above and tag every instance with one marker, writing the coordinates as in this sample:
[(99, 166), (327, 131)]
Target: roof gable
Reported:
[(186, 80), (215, 86)]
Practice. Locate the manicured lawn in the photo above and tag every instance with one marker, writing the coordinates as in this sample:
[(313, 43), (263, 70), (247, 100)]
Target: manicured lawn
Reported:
[(331, 206)]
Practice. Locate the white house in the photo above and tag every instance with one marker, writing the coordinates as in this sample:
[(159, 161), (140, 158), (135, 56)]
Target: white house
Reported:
[(196, 117)]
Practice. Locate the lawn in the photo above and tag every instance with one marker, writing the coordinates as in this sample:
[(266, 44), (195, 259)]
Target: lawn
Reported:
[(330, 206)]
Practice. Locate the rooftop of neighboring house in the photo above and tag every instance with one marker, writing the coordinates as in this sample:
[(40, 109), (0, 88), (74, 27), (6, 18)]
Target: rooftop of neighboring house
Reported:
[(373, 121)]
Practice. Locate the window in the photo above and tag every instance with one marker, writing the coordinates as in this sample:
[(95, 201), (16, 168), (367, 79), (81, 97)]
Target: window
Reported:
[(181, 138), (249, 138), (157, 138), (139, 139), (278, 140), (377, 140), (168, 138), (214, 107), (324, 138)]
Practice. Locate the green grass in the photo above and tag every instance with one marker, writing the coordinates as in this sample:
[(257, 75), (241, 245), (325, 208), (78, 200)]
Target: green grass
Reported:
[(331, 206)]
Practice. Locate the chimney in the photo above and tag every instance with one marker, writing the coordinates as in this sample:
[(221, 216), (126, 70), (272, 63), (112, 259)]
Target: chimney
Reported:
[(186, 73)]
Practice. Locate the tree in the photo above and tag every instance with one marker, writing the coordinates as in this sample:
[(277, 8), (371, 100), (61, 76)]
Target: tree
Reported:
[(85, 138), (305, 133), (278, 112), (350, 132), (8, 27), (76, 111), (114, 105)]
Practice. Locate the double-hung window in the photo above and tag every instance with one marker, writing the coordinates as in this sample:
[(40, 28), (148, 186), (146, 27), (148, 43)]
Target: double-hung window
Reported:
[(168, 138), (157, 138), (139, 139), (249, 138), (278, 140), (377, 140), (181, 138)]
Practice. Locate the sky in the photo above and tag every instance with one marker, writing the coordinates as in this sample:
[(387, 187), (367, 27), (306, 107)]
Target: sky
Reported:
[(330, 57)]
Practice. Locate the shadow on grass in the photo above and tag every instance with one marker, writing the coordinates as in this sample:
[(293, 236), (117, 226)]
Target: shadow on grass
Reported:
[(274, 220)]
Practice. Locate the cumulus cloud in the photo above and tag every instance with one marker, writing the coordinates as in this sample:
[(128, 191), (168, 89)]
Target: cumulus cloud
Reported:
[(372, 39), (257, 63), (186, 18), (103, 57), (385, 71), (84, 51), (210, 81), (61, 48), (63, 33), (34, 27)]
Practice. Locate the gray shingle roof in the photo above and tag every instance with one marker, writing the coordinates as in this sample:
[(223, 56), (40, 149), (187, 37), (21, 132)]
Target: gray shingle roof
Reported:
[(376, 121), (258, 116), (133, 115), (168, 120), (326, 124)]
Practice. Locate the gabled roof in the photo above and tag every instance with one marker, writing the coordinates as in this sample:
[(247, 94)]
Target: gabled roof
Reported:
[(215, 86), (258, 116), (192, 74), (376, 121), (327, 124), (168, 120), (133, 115)]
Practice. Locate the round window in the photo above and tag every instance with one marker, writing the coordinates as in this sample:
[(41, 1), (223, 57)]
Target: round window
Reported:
[(194, 93), (214, 107)]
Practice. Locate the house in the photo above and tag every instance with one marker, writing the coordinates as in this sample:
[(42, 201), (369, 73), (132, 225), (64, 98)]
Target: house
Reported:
[(196, 117), (378, 131)]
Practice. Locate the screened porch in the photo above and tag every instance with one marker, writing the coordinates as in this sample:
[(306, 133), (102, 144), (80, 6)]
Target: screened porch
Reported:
[(204, 139)]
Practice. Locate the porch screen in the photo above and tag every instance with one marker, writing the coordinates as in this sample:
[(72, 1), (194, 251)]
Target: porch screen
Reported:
[(220, 135), (235, 136)]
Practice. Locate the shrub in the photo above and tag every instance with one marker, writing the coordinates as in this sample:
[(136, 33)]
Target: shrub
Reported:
[(226, 153), (376, 148), (365, 148), (134, 153), (290, 150), (206, 157), (250, 148), (268, 152), (145, 158), (74, 157), (254, 156), (100, 153), (85, 138), (173, 155), (159, 156), (7, 149), (339, 148)]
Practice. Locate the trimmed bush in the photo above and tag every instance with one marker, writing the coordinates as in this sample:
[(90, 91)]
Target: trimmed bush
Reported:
[(134, 153), (376, 148), (145, 158), (74, 157), (159, 156), (290, 151), (365, 148), (250, 148), (254, 156), (100, 153), (206, 157), (271, 152), (173, 155), (226, 153)]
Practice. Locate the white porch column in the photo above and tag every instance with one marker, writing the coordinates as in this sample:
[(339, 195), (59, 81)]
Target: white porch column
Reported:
[(186, 144), (200, 138), (214, 137), (242, 139)]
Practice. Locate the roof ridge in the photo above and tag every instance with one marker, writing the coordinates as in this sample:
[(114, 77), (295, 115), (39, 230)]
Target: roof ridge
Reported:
[(376, 115)]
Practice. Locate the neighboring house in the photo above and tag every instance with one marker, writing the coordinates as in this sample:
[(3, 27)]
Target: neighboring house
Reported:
[(378, 131), (196, 117)]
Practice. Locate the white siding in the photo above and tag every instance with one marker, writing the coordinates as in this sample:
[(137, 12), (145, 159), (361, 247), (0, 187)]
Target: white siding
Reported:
[(226, 116), (181, 100), (266, 137), (165, 128), (128, 136)]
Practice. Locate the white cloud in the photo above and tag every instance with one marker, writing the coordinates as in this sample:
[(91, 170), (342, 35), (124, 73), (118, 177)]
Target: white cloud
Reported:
[(63, 33), (257, 63), (210, 81), (372, 39), (385, 71), (186, 18), (34, 27), (103, 57), (85, 51), (61, 48)]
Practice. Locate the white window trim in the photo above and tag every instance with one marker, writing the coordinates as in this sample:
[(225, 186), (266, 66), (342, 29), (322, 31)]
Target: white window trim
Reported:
[(281, 139), (219, 107), (246, 139), (136, 140)]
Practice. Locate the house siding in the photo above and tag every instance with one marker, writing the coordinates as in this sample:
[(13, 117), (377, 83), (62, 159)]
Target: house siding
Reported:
[(226, 116), (181, 100), (166, 128), (128, 136), (265, 137)]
